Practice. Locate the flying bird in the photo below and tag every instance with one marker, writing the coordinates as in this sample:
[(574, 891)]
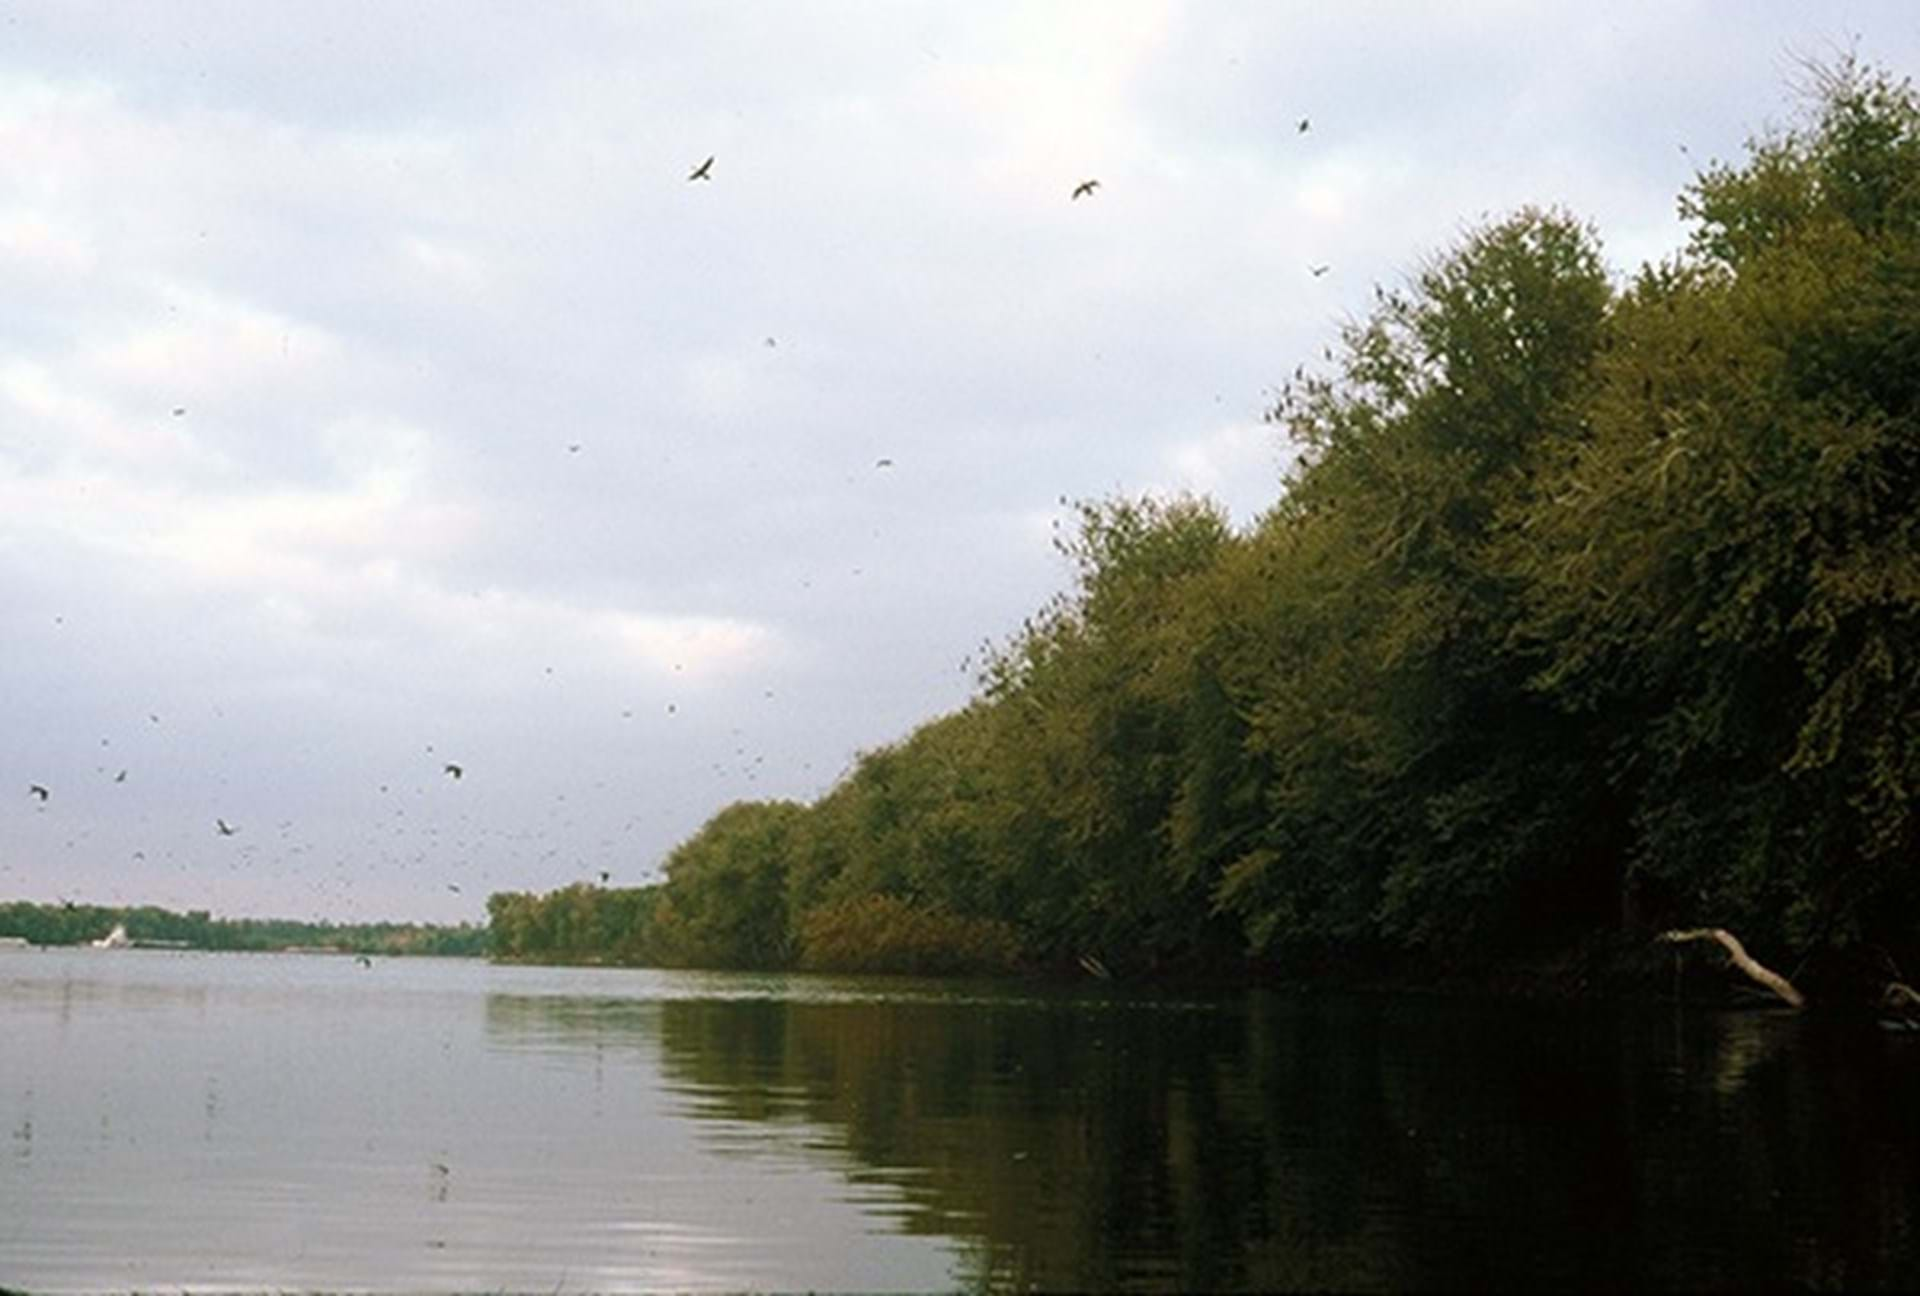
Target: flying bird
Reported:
[(455, 770), (1318, 270), (1085, 189), (703, 172), (121, 777), (1301, 129), (605, 877), (883, 463), (34, 789), (226, 829), (454, 887)]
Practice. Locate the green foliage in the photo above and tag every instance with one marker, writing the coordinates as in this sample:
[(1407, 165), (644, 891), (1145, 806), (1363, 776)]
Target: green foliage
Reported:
[(878, 933), (725, 903), (1097, 701), (1414, 789), (1726, 571), (577, 924)]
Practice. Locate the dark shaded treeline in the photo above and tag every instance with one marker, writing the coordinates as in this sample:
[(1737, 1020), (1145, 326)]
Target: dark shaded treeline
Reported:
[(198, 929), (1588, 606)]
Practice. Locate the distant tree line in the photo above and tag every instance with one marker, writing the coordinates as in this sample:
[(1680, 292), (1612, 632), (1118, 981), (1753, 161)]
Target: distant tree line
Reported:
[(1587, 606), (77, 924)]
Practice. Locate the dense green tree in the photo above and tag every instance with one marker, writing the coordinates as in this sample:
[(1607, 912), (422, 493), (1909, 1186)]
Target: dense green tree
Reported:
[(1724, 571), (726, 889), (1095, 703), (1416, 791), (577, 924)]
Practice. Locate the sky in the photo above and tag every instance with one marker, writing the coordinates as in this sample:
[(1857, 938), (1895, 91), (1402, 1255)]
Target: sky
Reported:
[(378, 393)]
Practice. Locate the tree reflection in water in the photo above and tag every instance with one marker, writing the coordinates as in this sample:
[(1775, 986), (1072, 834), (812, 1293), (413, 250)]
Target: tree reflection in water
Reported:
[(1277, 1141)]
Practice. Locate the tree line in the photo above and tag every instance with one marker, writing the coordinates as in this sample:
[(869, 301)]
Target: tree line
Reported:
[(77, 924), (1588, 605)]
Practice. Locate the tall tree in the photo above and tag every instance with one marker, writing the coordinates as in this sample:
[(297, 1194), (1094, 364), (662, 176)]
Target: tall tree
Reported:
[(1417, 792), (1726, 570)]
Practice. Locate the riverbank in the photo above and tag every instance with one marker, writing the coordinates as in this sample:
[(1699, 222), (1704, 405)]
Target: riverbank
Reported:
[(1610, 966), (1622, 967)]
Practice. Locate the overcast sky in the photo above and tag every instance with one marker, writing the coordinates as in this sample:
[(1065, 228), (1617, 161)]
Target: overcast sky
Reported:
[(377, 392)]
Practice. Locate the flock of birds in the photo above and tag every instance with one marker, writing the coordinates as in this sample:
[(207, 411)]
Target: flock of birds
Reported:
[(454, 771)]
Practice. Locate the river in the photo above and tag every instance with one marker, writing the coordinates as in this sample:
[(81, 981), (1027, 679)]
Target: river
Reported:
[(226, 1121)]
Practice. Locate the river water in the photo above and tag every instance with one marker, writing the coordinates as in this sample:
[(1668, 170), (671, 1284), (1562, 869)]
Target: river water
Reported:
[(222, 1122)]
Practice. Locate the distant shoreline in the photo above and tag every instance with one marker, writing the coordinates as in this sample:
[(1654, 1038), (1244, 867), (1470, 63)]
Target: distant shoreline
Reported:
[(151, 927)]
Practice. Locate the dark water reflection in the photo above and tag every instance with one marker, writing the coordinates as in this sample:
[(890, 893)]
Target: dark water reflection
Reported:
[(1317, 1142), (1276, 1141), (236, 1122)]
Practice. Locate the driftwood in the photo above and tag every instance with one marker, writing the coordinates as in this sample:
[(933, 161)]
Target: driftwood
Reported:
[(1759, 972), (1095, 967)]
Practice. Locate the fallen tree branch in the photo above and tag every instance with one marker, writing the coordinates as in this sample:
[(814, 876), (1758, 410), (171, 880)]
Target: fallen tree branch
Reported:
[(1095, 967), (1741, 959)]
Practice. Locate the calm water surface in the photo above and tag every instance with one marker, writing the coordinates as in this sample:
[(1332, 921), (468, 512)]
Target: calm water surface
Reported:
[(278, 1121)]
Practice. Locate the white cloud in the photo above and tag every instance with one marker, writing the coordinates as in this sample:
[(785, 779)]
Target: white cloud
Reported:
[(447, 264), (31, 244), (208, 346), (700, 649), (1238, 463)]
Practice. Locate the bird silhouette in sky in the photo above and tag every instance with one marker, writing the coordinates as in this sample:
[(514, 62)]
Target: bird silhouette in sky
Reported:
[(605, 877), (1085, 189), (703, 172), (455, 770), (883, 463), (121, 777), (1301, 129), (34, 789), (454, 887), (1318, 270), (226, 829)]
